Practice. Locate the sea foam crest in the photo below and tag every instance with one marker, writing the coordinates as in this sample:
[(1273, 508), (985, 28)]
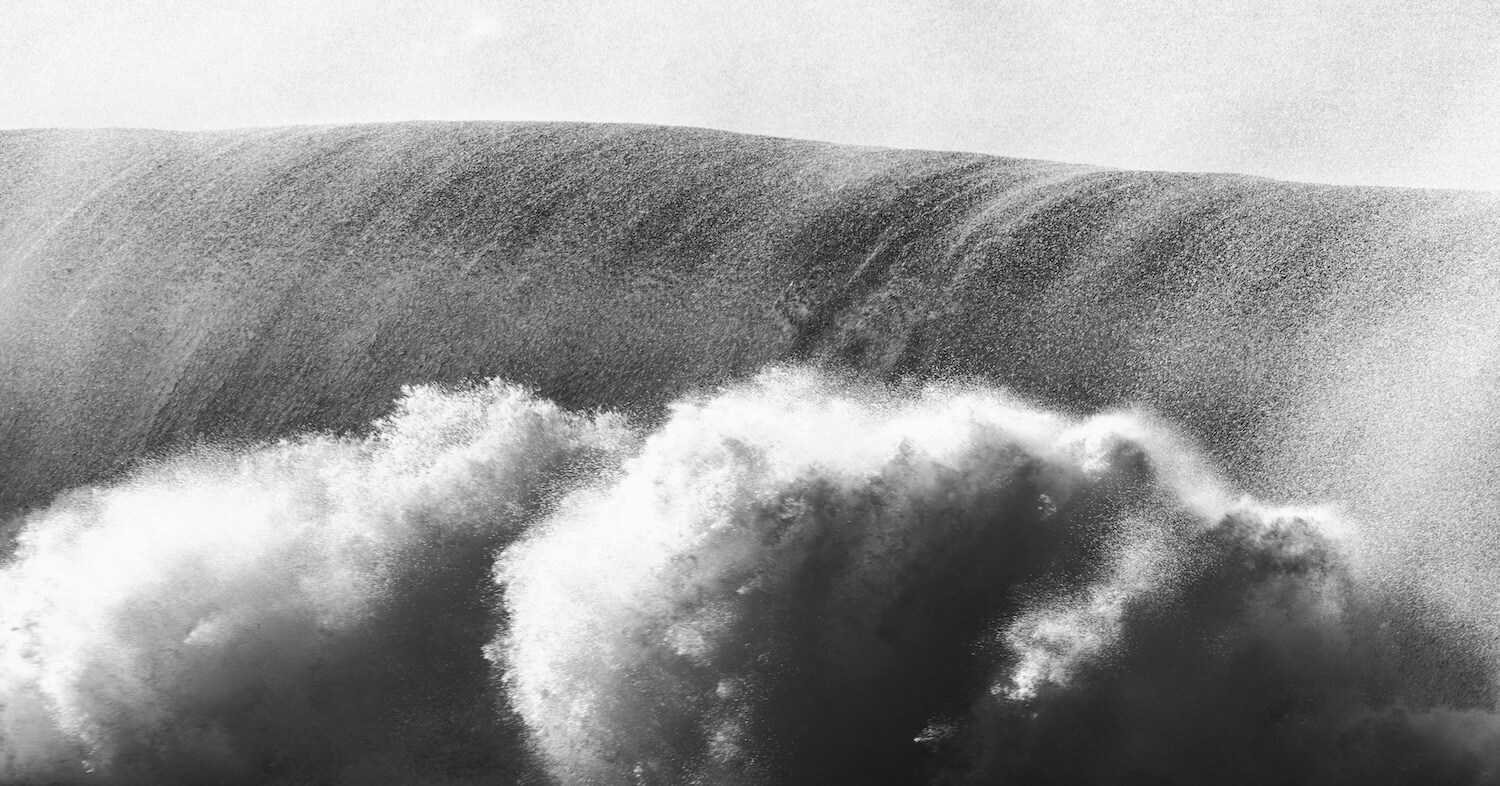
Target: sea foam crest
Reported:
[(280, 610), (800, 578)]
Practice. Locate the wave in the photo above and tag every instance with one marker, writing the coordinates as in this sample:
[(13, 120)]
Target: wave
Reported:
[(804, 577), (1318, 342)]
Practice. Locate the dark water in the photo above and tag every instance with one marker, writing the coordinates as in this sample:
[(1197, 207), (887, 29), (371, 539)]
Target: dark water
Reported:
[(1057, 475)]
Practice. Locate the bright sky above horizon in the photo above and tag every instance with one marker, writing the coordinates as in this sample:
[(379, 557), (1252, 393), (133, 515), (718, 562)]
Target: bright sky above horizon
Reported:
[(1348, 91)]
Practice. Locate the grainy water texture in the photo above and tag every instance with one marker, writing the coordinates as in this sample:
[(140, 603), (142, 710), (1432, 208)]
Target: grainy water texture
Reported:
[(567, 453), (801, 578)]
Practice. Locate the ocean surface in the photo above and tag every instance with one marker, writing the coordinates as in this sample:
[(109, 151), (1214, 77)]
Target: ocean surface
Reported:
[(603, 454)]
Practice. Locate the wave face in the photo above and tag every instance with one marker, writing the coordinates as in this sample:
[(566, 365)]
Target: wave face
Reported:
[(798, 579), (1319, 342)]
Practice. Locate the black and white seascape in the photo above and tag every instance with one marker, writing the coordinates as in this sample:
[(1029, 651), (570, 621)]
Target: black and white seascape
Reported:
[(543, 451)]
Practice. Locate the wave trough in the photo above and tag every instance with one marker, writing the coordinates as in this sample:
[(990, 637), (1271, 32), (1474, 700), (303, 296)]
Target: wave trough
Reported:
[(801, 578)]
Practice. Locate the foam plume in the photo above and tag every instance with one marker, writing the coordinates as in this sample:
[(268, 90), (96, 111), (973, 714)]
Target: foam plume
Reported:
[(312, 609), (797, 579)]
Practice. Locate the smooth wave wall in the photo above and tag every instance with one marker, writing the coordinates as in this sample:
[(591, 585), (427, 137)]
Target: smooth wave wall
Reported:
[(799, 579)]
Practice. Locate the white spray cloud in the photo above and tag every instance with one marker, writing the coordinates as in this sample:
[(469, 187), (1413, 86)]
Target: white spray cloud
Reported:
[(799, 578), (183, 624)]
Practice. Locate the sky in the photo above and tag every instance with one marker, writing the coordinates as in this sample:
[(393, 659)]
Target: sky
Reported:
[(1381, 92)]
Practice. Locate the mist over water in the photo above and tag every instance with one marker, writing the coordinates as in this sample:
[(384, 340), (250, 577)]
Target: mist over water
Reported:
[(800, 578)]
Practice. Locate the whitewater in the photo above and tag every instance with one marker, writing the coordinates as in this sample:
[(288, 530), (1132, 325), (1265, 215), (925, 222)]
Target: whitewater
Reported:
[(800, 577)]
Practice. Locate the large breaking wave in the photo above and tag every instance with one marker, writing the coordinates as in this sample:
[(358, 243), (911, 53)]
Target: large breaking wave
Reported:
[(798, 579)]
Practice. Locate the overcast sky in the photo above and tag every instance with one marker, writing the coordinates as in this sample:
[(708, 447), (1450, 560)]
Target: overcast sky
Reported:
[(1381, 92)]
